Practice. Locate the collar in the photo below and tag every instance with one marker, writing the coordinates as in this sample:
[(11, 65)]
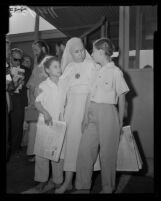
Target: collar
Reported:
[(107, 66), (50, 83)]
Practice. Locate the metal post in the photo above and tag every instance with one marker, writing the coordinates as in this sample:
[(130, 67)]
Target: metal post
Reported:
[(37, 19), (121, 36), (138, 35), (124, 37)]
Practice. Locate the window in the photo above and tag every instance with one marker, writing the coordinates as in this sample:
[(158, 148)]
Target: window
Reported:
[(143, 24)]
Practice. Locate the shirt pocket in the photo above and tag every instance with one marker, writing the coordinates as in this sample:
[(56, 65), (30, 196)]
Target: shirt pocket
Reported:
[(107, 85)]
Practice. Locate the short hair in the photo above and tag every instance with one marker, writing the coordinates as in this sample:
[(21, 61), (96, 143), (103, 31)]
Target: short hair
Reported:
[(104, 44), (42, 44), (17, 50), (48, 60)]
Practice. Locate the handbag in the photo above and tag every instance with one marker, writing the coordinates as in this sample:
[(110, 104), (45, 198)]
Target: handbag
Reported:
[(128, 157), (49, 139), (31, 114)]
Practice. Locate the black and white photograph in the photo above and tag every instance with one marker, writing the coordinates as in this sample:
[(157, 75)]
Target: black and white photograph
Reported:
[(80, 99)]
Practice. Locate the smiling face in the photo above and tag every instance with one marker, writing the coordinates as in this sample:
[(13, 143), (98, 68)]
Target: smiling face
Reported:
[(54, 69), (78, 53)]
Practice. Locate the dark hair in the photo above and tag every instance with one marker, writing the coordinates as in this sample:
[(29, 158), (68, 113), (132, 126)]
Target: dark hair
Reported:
[(104, 44), (41, 44), (48, 62), (28, 56), (63, 42)]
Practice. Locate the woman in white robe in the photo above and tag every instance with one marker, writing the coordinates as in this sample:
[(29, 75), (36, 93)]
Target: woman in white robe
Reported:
[(79, 71)]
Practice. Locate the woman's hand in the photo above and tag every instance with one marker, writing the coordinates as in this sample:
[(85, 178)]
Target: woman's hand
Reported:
[(48, 118)]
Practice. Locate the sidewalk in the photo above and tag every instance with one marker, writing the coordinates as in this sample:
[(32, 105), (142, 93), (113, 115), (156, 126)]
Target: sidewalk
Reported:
[(20, 175)]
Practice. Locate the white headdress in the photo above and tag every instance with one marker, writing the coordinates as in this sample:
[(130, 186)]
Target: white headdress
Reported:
[(67, 57)]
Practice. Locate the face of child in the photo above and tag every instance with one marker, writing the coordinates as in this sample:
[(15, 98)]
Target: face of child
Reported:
[(78, 53), (96, 55), (54, 69)]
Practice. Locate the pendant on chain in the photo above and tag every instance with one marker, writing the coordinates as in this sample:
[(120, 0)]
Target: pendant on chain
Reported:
[(77, 76)]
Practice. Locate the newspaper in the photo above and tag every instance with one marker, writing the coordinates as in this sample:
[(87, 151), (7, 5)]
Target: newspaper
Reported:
[(49, 139)]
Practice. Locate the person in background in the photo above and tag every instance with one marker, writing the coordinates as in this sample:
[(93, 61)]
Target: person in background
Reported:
[(102, 122), (9, 88), (17, 113), (40, 50), (59, 47), (27, 65)]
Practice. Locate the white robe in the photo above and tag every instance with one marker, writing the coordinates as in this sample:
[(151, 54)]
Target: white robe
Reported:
[(76, 80)]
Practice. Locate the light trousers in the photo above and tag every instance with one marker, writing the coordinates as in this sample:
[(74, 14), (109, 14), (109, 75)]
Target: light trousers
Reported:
[(101, 136), (42, 170)]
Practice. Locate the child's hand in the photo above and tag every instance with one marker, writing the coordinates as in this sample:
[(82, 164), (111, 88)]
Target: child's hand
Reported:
[(48, 119)]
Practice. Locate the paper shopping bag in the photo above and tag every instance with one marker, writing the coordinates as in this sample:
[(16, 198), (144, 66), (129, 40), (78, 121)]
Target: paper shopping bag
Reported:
[(128, 158), (49, 140)]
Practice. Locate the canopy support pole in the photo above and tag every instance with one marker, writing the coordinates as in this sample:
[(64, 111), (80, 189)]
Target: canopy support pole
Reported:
[(37, 19)]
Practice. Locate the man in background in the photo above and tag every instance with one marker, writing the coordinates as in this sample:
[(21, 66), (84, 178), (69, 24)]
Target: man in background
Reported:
[(17, 113)]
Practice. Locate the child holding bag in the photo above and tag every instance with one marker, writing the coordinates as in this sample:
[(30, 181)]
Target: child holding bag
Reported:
[(102, 122), (48, 104)]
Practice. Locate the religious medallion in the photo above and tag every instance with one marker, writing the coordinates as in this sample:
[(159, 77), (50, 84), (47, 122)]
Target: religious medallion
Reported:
[(77, 76)]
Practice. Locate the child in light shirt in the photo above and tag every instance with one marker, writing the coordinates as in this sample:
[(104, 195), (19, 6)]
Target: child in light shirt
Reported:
[(48, 104), (102, 122)]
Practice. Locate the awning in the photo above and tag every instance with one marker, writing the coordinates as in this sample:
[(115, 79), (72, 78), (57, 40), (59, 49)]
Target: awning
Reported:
[(75, 21)]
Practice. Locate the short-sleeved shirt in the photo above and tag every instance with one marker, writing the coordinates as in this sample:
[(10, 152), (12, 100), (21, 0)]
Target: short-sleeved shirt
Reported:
[(49, 97), (109, 85)]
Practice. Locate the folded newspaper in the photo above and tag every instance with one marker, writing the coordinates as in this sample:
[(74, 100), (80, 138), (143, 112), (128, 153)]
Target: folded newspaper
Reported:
[(49, 140)]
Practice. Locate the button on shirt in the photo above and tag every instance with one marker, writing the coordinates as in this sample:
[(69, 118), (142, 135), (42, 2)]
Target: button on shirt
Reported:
[(109, 85)]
